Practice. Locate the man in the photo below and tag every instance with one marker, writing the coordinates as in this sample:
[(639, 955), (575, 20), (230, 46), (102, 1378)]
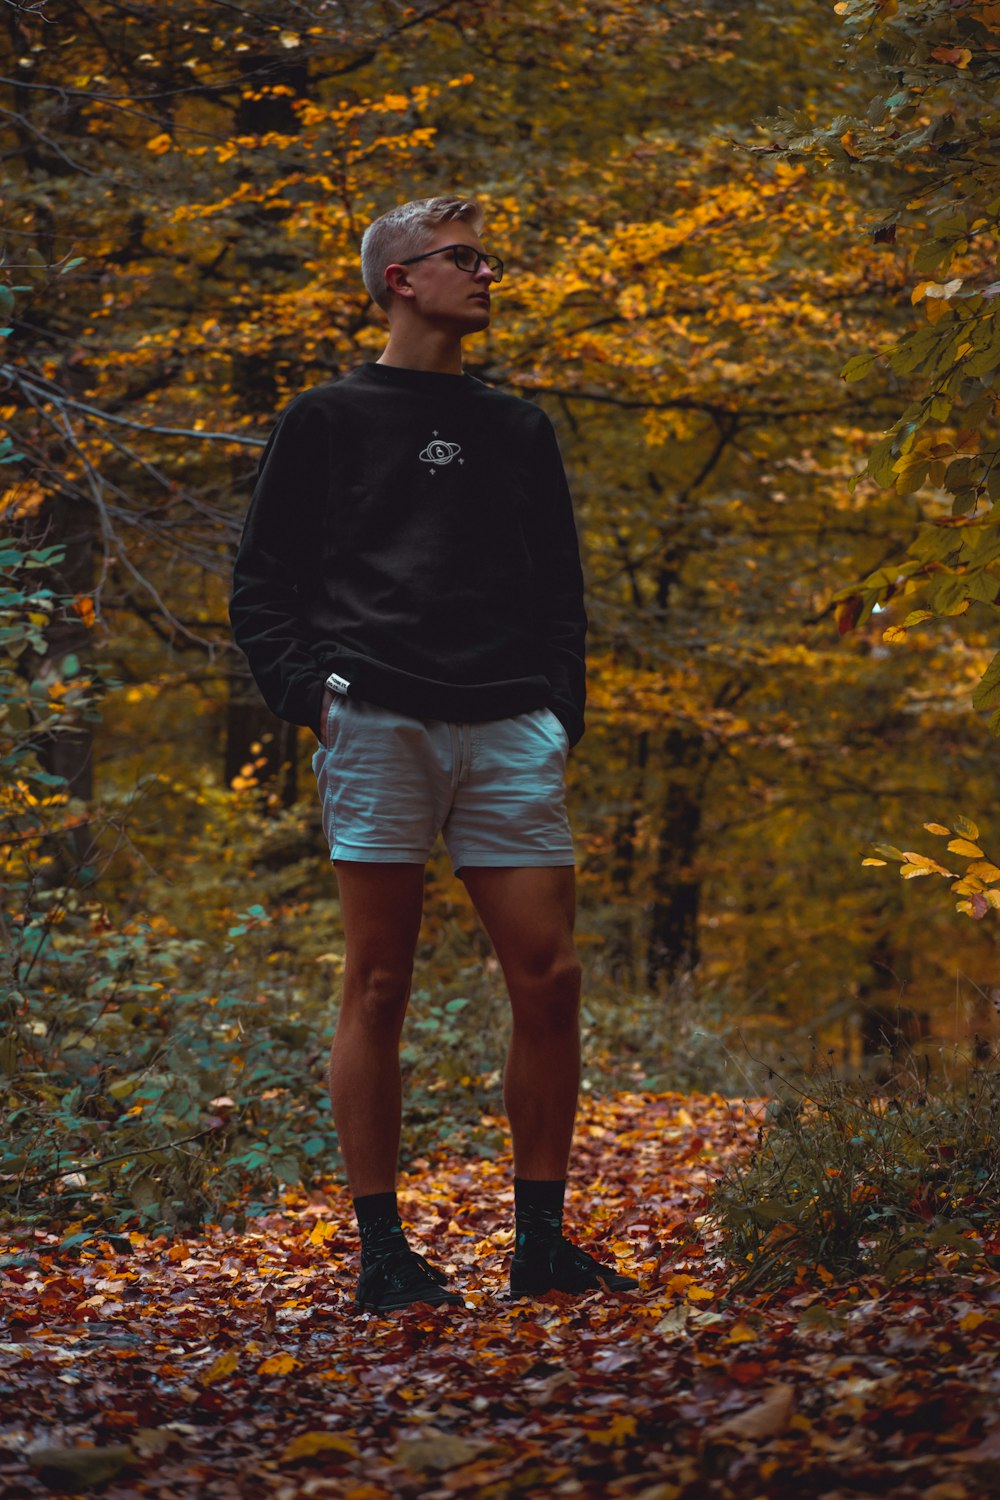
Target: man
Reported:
[(409, 586)]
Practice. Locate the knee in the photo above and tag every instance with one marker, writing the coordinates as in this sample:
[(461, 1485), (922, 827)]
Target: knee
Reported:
[(549, 996), (376, 998)]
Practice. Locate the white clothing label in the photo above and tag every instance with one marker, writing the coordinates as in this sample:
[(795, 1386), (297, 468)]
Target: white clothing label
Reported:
[(337, 684)]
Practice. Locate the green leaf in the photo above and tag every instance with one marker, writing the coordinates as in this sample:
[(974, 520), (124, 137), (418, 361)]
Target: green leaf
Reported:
[(889, 851), (987, 694), (80, 1468), (858, 367)]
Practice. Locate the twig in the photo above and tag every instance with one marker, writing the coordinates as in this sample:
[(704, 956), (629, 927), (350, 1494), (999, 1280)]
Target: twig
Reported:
[(105, 1161), (59, 399)]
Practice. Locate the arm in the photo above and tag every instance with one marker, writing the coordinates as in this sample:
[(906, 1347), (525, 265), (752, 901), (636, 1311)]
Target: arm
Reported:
[(560, 581), (277, 565)]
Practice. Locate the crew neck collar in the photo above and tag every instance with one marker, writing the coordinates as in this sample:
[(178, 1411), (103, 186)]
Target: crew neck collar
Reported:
[(416, 380)]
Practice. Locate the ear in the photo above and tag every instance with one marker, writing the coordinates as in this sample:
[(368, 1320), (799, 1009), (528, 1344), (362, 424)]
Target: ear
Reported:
[(397, 280)]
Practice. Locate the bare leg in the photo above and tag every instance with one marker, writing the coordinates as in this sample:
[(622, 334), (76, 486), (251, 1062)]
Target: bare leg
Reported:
[(529, 915), (381, 905)]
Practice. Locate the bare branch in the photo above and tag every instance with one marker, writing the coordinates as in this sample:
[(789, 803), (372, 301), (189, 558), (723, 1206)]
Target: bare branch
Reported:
[(36, 386)]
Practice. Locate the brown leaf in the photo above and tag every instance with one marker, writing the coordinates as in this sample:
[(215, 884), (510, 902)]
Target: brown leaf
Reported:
[(434, 1452), (766, 1419)]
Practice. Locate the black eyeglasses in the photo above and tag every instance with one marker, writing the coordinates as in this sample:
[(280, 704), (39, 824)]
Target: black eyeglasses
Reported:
[(465, 258)]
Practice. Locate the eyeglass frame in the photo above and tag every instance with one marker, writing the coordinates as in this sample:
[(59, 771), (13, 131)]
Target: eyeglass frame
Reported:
[(494, 262)]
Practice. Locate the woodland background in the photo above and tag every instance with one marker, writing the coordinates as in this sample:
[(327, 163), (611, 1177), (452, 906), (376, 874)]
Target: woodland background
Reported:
[(707, 213)]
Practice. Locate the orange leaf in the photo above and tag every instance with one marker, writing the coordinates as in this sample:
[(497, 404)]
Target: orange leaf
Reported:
[(278, 1364)]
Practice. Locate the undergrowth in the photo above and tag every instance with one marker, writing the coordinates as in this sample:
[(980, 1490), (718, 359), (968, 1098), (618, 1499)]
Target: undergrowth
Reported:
[(847, 1182)]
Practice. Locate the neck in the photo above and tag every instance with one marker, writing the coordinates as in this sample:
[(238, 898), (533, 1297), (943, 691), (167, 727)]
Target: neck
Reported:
[(423, 349)]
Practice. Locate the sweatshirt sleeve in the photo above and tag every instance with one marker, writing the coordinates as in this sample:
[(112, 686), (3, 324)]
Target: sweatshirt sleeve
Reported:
[(276, 560), (560, 581)]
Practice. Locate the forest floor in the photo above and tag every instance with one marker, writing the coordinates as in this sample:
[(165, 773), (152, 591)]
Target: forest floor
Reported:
[(235, 1364)]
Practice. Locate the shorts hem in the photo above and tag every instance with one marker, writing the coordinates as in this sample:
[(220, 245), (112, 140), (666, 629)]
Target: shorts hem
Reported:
[(522, 860), (367, 855)]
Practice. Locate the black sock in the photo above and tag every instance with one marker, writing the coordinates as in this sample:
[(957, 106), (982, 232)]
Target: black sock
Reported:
[(379, 1224), (538, 1211)]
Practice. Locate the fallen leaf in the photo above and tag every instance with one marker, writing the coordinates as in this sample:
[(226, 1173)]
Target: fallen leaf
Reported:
[(434, 1452), (308, 1444), (223, 1366), (766, 1419), (81, 1467)]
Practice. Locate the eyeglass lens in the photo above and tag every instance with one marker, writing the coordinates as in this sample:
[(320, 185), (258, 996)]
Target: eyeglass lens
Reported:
[(467, 259)]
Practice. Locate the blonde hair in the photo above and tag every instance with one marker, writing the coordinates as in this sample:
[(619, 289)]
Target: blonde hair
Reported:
[(403, 232)]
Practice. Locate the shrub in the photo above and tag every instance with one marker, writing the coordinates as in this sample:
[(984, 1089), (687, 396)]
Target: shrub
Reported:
[(844, 1183)]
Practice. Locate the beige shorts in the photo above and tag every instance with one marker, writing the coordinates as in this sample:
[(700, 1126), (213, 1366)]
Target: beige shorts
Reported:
[(389, 784)]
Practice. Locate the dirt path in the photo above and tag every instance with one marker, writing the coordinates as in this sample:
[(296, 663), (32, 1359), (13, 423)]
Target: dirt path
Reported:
[(235, 1364)]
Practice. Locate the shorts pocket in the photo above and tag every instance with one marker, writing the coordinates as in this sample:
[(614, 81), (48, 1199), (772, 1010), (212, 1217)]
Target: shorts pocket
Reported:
[(558, 729), (327, 736)]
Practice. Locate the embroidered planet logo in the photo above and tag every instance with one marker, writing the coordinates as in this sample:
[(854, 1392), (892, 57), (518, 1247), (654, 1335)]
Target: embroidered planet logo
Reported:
[(438, 452)]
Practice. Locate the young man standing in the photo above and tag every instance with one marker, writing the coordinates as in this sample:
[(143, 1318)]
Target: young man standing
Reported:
[(409, 586)]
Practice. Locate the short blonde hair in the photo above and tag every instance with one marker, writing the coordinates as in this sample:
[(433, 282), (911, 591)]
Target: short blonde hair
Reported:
[(404, 232)]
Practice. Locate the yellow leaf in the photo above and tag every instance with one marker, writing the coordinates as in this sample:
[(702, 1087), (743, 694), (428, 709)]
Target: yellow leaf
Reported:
[(308, 1443), (938, 828), (740, 1333), (963, 846), (322, 1231), (966, 828), (972, 1320), (894, 633), (700, 1294), (278, 1364), (621, 1427), (223, 1366), (915, 862), (982, 869), (873, 861)]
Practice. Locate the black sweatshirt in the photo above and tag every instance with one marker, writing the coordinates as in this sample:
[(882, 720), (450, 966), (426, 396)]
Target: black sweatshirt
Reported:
[(413, 534)]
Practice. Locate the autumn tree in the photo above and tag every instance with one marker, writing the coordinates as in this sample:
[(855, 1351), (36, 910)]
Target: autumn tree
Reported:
[(680, 302)]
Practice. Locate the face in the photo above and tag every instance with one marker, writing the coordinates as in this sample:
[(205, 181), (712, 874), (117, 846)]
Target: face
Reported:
[(442, 294)]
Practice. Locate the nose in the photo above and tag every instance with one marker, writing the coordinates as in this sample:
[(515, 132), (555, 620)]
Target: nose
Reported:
[(484, 270)]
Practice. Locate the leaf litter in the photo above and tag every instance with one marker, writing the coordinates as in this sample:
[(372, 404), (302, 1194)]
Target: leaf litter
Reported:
[(236, 1364)]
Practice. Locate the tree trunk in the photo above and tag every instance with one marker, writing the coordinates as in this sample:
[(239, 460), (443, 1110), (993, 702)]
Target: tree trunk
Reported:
[(622, 938), (673, 949)]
